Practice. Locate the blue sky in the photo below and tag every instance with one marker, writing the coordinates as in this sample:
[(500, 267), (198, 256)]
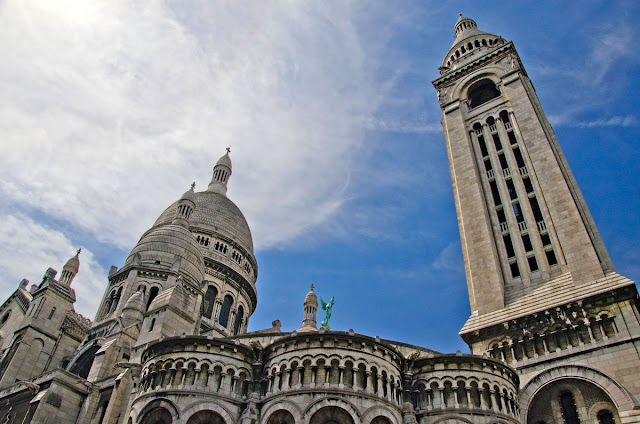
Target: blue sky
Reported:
[(110, 110)]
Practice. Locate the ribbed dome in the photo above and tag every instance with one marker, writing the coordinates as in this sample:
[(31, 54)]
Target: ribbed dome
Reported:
[(311, 297), (215, 213), (73, 263), (468, 39), (170, 247), (225, 160)]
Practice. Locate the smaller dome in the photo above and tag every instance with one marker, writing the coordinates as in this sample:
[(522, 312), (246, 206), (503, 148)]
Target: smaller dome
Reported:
[(190, 194), (311, 296), (225, 160), (73, 264), (136, 302)]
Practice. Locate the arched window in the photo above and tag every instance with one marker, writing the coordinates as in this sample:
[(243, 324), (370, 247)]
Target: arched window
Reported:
[(569, 410), (209, 301), (225, 310), (281, 417), (82, 366), (152, 295), (157, 416), (238, 321), (481, 92), (606, 417), (205, 417), (5, 318)]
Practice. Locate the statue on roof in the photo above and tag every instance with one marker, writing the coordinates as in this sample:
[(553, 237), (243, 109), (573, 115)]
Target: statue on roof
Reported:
[(327, 308)]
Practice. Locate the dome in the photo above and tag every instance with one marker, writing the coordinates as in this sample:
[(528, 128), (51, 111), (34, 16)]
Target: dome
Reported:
[(311, 297), (169, 247), (189, 194), (216, 214), (73, 264), (225, 160), (469, 39)]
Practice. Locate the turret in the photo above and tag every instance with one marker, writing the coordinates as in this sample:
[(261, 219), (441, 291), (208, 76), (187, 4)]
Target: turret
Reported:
[(309, 322), (221, 174), (70, 269)]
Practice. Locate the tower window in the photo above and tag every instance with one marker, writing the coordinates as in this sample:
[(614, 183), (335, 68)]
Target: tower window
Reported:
[(495, 193), (509, 246), (526, 241), (546, 240), (527, 185), (482, 91), (515, 271), (518, 212), (503, 161), (512, 189), (551, 258), (535, 207), (533, 264), (519, 158), (152, 295), (512, 138), (496, 141), (152, 324)]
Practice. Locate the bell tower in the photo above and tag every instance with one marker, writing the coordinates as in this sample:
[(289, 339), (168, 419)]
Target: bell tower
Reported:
[(542, 288)]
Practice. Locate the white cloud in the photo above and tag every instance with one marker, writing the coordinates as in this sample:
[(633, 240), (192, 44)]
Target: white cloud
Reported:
[(26, 245), (615, 121), (611, 46), (111, 109), (450, 258)]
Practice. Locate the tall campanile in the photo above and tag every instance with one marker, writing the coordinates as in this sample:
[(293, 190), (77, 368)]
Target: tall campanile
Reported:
[(544, 295)]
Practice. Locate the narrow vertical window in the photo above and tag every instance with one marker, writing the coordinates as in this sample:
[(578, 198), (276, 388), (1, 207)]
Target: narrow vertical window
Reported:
[(512, 190), (526, 241), (533, 264), (515, 271), (495, 193), (509, 246), (569, 410), (152, 324), (551, 258), (535, 207), (527, 185), (152, 295), (225, 311), (209, 301), (53, 311)]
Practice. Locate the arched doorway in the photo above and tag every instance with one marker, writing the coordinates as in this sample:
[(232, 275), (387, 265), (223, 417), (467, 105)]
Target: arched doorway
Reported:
[(381, 420), (331, 415)]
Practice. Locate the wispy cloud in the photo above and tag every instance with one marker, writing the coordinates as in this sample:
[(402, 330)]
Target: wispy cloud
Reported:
[(110, 110), (26, 245), (615, 121), (566, 120)]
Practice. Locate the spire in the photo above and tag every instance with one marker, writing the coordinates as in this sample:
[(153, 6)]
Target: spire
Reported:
[(221, 174), (186, 205), (310, 308), (70, 269)]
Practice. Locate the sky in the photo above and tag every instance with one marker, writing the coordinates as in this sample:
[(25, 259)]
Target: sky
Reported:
[(110, 109)]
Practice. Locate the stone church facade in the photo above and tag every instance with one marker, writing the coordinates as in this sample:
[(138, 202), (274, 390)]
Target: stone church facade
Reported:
[(554, 330)]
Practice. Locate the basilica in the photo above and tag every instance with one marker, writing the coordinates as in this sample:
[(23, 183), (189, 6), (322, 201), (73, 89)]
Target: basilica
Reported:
[(554, 331)]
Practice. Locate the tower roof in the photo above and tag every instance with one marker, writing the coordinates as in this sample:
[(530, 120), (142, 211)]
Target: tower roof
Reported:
[(73, 264), (469, 40)]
